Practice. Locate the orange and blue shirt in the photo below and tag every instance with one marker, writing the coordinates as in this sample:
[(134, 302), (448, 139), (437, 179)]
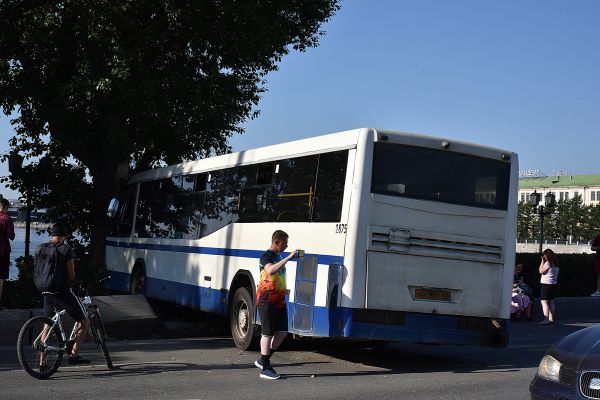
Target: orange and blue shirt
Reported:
[(271, 287)]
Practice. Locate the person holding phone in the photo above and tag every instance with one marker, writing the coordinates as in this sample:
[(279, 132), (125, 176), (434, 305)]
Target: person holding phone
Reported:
[(549, 282)]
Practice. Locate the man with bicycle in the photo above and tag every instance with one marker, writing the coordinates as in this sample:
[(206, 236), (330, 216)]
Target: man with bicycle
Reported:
[(54, 263)]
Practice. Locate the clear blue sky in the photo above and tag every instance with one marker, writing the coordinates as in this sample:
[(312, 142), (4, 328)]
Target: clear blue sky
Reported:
[(520, 75)]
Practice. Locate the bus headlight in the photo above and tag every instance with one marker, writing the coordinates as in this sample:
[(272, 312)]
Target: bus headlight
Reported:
[(549, 368)]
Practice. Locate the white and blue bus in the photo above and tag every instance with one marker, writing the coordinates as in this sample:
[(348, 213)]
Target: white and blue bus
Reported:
[(406, 237)]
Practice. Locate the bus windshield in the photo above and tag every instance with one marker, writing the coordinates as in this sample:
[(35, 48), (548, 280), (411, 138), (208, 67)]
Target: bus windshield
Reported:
[(440, 175)]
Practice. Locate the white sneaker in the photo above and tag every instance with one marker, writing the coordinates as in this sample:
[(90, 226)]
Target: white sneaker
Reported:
[(595, 294)]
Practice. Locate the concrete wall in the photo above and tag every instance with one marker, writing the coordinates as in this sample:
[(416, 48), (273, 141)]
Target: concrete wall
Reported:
[(557, 248)]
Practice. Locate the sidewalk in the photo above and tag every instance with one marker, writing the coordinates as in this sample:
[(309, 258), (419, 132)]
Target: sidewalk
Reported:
[(582, 309), (10, 325), (123, 316)]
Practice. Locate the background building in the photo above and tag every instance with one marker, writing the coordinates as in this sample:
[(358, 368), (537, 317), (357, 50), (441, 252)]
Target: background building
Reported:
[(564, 187)]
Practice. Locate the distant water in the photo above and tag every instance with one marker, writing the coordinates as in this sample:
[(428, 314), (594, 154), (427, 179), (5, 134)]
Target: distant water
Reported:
[(18, 247)]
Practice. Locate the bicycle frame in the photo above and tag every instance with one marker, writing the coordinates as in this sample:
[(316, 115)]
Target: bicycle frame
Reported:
[(57, 321)]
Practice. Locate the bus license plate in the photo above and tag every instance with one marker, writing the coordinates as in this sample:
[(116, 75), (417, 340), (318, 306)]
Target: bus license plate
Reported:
[(432, 294)]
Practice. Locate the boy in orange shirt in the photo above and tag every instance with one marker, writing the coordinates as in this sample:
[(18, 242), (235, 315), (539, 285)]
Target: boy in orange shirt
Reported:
[(270, 300)]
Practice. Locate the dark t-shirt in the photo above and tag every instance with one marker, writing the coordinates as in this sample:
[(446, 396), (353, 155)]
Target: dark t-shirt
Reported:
[(65, 254), (7, 231), (596, 243)]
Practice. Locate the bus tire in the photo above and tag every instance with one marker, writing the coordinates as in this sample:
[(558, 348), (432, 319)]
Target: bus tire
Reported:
[(138, 281), (241, 320)]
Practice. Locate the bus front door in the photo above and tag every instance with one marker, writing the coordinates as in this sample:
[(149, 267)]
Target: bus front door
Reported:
[(304, 295)]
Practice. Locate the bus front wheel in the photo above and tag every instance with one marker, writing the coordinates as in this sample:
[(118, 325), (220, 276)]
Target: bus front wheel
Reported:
[(138, 281), (241, 317)]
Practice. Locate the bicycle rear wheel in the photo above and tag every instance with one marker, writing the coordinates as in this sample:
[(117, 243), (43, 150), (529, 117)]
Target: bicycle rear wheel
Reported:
[(99, 334), (40, 350)]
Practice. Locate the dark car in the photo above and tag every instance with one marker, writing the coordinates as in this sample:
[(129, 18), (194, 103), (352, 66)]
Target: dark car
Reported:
[(571, 368)]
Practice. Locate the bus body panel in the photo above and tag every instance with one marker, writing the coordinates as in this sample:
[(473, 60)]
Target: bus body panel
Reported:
[(393, 279), (353, 290), (413, 214), (196, 273), (465, 256), (510, 235)]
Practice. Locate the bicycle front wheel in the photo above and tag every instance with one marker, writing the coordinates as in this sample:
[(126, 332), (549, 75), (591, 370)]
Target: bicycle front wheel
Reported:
[(99, 334), (39, 348)]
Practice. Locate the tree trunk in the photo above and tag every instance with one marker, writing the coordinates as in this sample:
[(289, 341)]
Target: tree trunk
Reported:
[(107, 181), (99, 228)]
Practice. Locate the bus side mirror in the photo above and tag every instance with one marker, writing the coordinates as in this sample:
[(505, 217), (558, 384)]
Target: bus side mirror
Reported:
[(113, 206)]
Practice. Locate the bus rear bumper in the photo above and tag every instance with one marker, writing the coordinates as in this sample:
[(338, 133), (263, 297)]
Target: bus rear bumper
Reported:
[(409, 327), (429, 335)]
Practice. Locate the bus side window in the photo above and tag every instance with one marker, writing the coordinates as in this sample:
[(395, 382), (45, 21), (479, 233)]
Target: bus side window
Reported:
[(195, 203), (254, 188), (124, 219), (253, 204), (167, 208), (216, 209), (155, 201), (329, 195), (293, 189), (143, 220)]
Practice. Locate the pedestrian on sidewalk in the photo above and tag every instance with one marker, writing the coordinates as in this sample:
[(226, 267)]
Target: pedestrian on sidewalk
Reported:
[(549, 282), (596, 248), (7, 233), (270, 300)]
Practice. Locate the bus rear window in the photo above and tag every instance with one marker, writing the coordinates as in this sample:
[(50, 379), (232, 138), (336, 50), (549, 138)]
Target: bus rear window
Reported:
[(440, 175)]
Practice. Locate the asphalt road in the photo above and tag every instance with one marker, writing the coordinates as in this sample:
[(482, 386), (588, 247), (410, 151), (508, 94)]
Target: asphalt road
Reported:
[(212, 368)]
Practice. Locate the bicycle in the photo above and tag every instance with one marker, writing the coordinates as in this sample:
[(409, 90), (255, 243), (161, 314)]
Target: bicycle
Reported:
[(42, 341)]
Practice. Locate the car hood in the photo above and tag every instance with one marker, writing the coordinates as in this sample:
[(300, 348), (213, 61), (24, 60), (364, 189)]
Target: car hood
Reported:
[(579, 350)]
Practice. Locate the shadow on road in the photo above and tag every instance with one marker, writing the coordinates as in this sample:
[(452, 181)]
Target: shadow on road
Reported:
[(528, 344)]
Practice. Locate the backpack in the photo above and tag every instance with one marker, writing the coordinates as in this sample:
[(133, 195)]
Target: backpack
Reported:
[(48, 274)]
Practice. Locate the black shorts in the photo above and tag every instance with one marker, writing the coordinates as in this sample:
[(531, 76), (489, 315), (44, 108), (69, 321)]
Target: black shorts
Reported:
[(548, 292), (66, 300), (272, 320), (4, 266)]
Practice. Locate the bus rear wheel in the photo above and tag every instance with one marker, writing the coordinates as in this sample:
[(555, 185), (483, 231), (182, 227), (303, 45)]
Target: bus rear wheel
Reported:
[(241, 320)]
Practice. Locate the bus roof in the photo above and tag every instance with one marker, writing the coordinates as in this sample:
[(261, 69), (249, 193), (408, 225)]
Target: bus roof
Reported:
[(296, 148), (458, 146), (313, 145)]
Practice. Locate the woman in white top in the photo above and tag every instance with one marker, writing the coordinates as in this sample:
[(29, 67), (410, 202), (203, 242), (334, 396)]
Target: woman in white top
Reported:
[(549, 270)]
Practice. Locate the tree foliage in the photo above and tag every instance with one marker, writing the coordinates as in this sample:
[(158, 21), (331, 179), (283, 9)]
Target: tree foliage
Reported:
[(100, 86), (567, 220), (526, 221)]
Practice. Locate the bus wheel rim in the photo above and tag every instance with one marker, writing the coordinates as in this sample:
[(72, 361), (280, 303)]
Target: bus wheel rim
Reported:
[(243, 318)]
